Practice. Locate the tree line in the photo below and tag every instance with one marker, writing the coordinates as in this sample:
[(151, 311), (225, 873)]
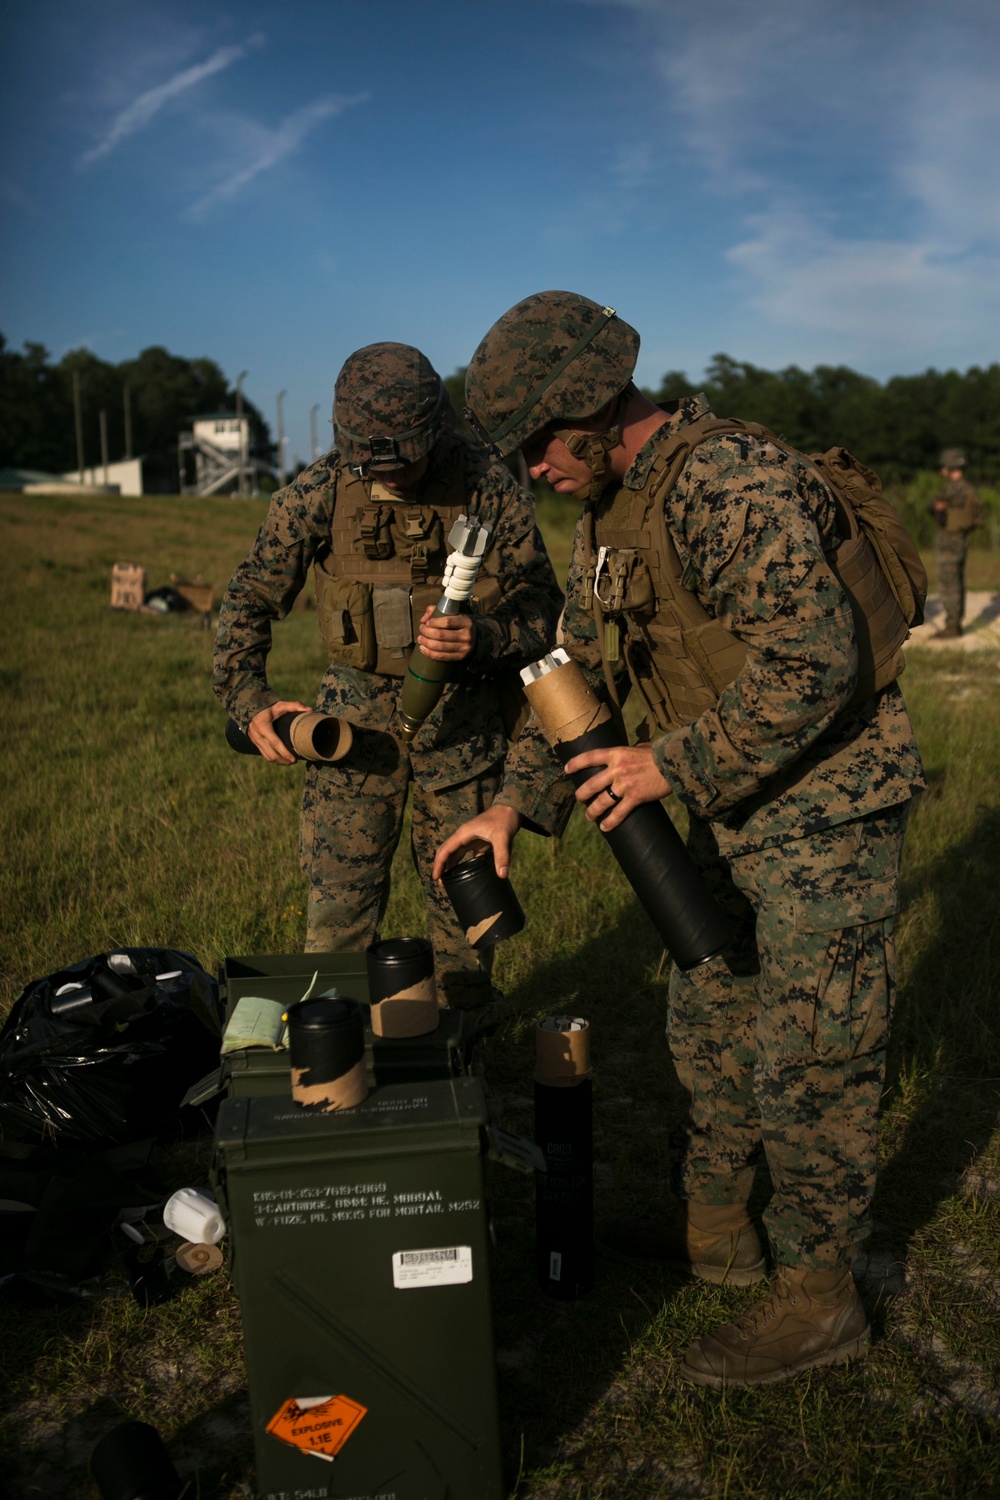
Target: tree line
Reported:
[(899, 428), (163, 391)]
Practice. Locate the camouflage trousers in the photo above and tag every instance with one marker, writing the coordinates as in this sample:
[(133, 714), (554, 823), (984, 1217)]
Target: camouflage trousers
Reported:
[(951, 549), (352, 821), (781, 1043)]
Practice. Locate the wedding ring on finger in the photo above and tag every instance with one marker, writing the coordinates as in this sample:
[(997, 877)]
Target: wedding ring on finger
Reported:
[(613, 794)]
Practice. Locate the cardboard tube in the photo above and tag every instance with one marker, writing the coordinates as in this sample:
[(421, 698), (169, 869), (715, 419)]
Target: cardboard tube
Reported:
[(310, 735), (345, 1092), (413, 1011), (316, 736), (563, 701), (562, 1051), (474, 933)]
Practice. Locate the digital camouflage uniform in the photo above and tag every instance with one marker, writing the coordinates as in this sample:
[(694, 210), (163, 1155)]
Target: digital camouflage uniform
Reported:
[(798, 806), (963, 514), (352, 811)]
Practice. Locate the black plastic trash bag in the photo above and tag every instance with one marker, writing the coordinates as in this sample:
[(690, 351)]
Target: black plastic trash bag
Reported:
[(104, 1051)]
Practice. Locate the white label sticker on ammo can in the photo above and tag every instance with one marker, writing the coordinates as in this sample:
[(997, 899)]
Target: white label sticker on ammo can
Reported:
[(442, 1267)]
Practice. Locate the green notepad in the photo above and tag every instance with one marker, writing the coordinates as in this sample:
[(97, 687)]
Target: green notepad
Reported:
[(255, 1022), (259, 1022)]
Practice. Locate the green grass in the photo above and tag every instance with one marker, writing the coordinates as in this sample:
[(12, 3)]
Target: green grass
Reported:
[(131, 823)]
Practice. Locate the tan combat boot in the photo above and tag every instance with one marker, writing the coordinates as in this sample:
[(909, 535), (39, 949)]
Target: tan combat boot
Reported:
[(808, 1319), (712, 1244)]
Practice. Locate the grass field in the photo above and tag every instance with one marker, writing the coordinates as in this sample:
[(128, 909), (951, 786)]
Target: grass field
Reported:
[(127, 821)]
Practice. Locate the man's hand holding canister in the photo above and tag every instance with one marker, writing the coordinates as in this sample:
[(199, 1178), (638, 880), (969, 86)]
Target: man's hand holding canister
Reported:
[(494, 829), (261, 731), (625, 776)]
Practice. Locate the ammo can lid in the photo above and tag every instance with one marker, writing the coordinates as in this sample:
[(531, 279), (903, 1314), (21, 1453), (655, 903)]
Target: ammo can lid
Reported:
[(437, 1115), (324, 1013)]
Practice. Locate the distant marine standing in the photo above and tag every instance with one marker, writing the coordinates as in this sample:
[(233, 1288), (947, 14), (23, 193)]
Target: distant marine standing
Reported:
[(958, 510), (371, 518)]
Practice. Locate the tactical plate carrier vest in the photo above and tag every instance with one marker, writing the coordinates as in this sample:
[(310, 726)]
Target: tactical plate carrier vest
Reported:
[(679, 657), (385, 565), (965, 508)]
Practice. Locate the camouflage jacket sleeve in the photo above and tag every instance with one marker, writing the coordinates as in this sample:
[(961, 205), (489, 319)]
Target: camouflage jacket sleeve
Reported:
[(522, 627), (265, 586), (749, 522)]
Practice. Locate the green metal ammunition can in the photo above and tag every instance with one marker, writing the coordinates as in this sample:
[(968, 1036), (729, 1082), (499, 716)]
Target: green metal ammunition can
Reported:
[(359, 1250), (259, 1071)]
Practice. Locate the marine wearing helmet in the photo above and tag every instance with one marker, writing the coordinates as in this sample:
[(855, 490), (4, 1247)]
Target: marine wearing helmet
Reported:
[(390, 406), (556, 361)]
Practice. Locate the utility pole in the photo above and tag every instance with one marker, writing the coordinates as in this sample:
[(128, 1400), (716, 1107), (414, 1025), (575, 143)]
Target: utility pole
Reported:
[(127, 398), (314, 451), (104, 444), (281, 439), (240, 490), (79, 423)]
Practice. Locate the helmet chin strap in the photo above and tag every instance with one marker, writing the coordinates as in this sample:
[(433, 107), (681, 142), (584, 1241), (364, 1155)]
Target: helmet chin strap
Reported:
[(592, 448)]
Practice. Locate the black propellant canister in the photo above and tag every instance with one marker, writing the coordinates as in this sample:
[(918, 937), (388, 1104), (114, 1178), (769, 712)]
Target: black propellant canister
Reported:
[(646, 845), (485, 905), (326, 1044), (131, 1463), (402, 988), (564, 1194)]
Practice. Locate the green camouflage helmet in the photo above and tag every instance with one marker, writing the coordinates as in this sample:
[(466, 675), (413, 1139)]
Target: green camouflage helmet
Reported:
[(555, 357), (389, 407), (953, 458)]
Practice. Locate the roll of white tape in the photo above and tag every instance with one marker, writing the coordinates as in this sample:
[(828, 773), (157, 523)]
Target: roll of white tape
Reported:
[(194, 1216)]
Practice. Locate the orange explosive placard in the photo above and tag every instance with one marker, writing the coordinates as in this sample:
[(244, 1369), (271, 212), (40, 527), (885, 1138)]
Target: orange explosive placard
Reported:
[(316, 1424)]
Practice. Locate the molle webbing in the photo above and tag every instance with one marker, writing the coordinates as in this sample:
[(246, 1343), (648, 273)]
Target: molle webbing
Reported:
[(391, 540), (681, 658), (386, 564)]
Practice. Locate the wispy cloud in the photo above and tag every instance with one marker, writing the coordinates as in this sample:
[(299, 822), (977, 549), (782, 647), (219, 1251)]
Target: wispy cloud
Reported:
[(883, 298), (853, 148), (142, 110), (274, 147)]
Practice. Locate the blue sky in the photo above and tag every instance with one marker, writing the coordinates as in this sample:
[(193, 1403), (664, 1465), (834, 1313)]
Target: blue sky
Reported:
[(273, 186)]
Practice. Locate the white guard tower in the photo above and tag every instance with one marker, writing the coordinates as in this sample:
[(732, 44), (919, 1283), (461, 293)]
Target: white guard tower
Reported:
[(220, 445)]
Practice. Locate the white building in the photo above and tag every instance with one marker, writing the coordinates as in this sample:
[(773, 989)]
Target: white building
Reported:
[(215, 456), (122, 478)]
